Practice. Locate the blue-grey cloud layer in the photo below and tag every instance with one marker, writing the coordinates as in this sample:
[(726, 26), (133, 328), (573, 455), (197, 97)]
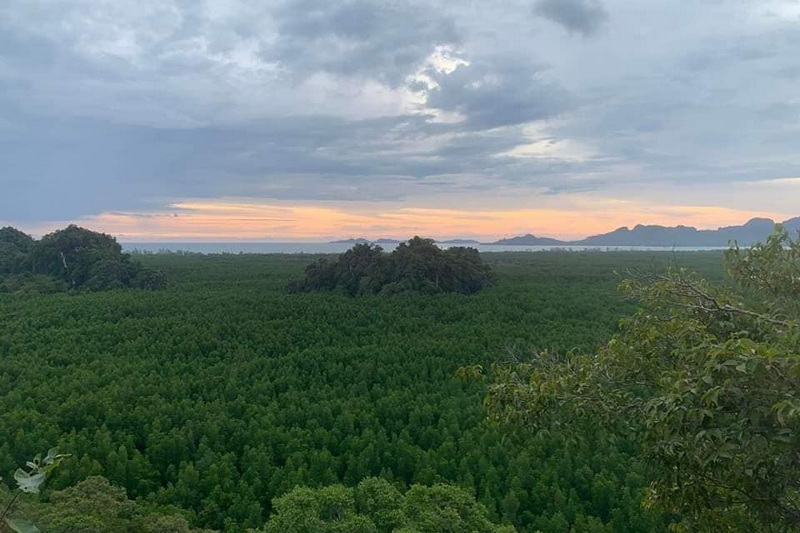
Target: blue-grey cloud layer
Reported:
[(133, 105), (386, 41), (582, 16), (501, 92)]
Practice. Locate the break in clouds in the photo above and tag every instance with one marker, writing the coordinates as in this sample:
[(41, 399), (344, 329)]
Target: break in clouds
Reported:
[(135, 105)]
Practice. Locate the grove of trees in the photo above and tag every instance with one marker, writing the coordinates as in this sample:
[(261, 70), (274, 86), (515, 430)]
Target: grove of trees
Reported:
[(415, 266), (94, 505), (73, 259), (376, 506)]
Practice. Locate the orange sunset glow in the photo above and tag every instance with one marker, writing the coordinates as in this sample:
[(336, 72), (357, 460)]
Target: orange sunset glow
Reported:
[(240, 220)]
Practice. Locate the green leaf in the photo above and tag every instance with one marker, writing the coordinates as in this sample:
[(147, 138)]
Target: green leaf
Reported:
[(53, 459), (29, 482)]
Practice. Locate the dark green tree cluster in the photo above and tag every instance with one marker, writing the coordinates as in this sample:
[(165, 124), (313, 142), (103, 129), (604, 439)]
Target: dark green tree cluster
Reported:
[(375, 506), (73, 258), (415, 266), (706, 377), (95, 506)]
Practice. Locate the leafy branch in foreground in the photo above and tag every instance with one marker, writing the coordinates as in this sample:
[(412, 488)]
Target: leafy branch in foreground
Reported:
[(706, 378), (30, 481)]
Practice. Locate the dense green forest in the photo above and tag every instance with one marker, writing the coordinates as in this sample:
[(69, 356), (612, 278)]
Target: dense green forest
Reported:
[(70, 259), (215, 396), (418, 265)]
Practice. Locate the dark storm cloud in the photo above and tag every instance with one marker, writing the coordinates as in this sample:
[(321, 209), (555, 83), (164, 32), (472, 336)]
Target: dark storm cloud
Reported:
[(494, 94), (383, 40), (579, 16)]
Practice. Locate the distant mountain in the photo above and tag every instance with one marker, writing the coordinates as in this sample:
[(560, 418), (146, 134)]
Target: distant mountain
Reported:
[(361, 240), (754, 230), (459, 241), (529, 240), (793, 225), (352, 241)]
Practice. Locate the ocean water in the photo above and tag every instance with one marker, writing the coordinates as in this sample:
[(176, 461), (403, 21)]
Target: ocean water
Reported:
[(337, 248)]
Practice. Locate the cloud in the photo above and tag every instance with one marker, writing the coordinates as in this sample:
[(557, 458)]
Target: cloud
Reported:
[(172, 64), (490, 94), (580, 16), (93, 166), (386, 41)]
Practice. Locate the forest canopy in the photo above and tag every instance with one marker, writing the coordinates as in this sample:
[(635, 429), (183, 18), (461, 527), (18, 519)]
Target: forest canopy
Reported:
[(94, 505), (224, 393), (415, 266), (72, 258)]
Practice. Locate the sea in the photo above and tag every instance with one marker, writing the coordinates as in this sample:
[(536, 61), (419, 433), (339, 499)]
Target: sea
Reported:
[(337, 248)]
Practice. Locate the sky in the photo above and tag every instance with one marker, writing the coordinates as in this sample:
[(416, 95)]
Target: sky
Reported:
[(197, 120)]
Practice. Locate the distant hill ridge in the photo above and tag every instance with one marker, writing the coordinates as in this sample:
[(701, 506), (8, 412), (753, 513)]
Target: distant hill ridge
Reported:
[(530, 240), (754, 230), (395, 241)]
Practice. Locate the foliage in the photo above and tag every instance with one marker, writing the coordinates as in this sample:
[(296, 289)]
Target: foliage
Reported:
[(375, 506), (224, 392), (71, 258), (38, 469), (14, 247), (95, 506), (28, 283), (706, 377), (414, 266)]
